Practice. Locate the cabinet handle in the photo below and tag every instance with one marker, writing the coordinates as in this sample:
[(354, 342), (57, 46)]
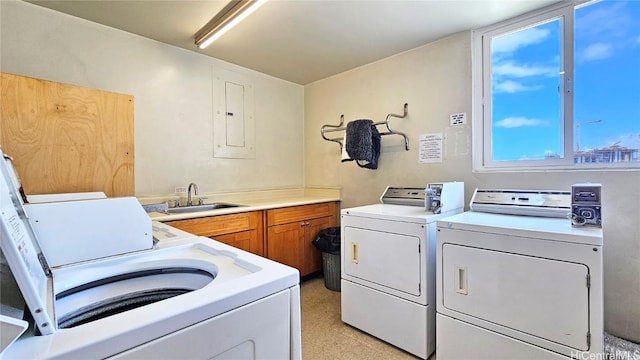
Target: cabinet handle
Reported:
[(354, 252)]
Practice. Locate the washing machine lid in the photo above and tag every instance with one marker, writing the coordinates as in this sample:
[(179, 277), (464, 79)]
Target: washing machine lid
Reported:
[(557, 229), (20, 248), (541, 214), (406, 213)]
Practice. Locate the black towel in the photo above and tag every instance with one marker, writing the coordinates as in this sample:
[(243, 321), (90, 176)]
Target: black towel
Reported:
[(363, 143)]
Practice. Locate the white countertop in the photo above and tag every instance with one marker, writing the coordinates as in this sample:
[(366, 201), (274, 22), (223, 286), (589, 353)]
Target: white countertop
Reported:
[(251, 201)]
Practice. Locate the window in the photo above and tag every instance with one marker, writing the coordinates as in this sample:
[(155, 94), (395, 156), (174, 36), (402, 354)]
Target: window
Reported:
[(559, 88)]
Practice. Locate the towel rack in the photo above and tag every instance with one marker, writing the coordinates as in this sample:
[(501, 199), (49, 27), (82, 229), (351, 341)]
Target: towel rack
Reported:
[(332, 128)]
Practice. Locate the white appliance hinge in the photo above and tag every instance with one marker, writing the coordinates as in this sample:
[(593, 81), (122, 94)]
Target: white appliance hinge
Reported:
[(589, 339), (588, 281)]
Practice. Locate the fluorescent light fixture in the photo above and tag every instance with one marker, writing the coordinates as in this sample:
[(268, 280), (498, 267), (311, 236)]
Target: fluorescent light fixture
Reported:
[(227, 18)]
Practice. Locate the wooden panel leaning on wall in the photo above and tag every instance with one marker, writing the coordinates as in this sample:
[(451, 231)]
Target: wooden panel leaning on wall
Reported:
[(66, 138)]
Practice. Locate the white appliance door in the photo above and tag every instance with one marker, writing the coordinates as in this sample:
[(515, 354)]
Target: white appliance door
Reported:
[(385, 258), (258, 330), (541, 297), (464, 341)]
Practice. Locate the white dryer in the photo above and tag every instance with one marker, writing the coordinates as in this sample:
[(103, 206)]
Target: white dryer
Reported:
[(388, 264), (515, 280), (187, 297)]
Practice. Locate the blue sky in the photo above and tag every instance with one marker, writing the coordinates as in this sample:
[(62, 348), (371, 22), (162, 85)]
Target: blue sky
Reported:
[(526, 73)]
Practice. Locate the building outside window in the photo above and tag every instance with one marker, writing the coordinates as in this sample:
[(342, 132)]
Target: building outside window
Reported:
[(559, 88)]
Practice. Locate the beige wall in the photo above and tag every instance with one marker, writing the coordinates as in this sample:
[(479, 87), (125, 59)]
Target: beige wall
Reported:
[(432, 79), (435, 80), (172, 88)]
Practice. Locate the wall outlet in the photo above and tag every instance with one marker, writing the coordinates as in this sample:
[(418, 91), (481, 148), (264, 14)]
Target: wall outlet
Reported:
[(458, 119), (181, 189)]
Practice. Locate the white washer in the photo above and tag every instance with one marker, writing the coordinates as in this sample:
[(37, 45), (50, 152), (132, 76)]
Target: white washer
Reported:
[(388, 265), (188, 297), (518, 286)]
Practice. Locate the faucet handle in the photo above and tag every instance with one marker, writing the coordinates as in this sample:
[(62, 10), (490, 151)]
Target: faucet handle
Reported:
[(201, 200), (176, 202)]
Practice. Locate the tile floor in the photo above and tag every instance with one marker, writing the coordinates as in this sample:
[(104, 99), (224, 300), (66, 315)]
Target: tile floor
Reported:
[(326, 337)]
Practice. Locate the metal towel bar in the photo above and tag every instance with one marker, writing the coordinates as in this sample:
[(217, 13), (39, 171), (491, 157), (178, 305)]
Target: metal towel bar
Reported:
[(332, 128)]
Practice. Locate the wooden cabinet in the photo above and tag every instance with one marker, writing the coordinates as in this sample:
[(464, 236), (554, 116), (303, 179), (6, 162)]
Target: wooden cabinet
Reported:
[(290, 232), (242, 230), (288, 238)]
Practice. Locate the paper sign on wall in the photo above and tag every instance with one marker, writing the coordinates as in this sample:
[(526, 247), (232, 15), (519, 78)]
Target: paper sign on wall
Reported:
[(430, 148)]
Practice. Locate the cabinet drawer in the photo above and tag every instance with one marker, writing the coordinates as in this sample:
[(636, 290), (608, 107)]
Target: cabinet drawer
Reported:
[(300, 213), (221, 224)]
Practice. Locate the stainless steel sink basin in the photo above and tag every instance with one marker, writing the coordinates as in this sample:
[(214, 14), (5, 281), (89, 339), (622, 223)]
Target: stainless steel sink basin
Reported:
[(197, 208)]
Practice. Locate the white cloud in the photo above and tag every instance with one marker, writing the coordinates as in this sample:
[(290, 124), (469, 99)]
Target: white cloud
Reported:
[(597, 51), (514, 41), (612, 20), (519, 121), (511, 87), (519, 71)]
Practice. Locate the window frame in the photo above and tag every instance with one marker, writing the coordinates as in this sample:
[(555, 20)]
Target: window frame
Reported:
[(481, 93)]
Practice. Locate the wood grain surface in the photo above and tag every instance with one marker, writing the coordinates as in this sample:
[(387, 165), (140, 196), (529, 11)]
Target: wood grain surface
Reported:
[(66, 138)]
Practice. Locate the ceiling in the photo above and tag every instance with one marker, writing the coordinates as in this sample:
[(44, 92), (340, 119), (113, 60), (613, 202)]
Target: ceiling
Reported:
[(300, 40)]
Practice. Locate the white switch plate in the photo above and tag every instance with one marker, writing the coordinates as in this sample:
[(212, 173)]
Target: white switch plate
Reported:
[(458, 119), (181, 189)]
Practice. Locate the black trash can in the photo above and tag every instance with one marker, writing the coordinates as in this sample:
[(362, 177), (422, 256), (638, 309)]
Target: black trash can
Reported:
[(328, 242)]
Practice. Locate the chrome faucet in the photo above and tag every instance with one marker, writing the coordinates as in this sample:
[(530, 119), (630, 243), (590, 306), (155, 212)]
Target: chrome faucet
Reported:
[(195, 192)]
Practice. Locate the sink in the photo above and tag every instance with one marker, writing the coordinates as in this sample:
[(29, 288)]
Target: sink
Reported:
[(197, 208)]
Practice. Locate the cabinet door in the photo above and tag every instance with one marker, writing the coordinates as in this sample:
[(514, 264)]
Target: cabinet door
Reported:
[(284, 244), (245, 240), (312, 256)]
